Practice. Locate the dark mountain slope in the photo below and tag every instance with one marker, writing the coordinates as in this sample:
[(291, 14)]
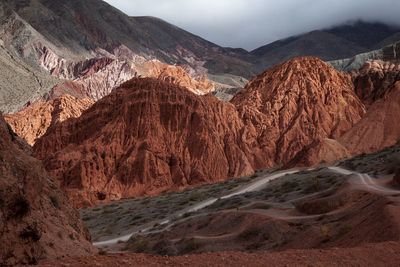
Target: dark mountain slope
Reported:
[(330, 44), (81, 26)]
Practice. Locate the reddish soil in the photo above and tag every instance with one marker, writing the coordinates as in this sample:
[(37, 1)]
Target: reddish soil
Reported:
[(384, 254)]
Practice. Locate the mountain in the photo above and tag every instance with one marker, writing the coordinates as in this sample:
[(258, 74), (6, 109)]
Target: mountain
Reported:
[(149, 136), (20, 83), (389, 53), (328, 44), (37, 221), (296, 106), (78, 27), (379, 128), (32, 122), (145, 137), (98, 48)]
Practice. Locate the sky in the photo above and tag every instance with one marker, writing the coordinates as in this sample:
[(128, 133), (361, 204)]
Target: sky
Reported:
[(252, 23)]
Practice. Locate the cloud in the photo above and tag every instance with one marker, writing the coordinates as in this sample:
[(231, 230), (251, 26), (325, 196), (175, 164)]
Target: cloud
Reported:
[(253, 23)]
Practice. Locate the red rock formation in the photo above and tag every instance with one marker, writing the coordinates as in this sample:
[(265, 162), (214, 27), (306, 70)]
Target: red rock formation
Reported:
[(375, 79), (145, 137), (32, 122), (294, 106), (36, 219), (149, 136), (379, 128)]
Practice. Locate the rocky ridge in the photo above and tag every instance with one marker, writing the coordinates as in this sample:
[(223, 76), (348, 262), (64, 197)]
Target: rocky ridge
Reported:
[(33, 122), (36, 219)]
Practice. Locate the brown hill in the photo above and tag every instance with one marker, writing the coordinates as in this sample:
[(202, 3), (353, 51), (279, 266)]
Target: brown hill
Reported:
[(295, 106), (32, 122), (145, 137), (36, 219), (379, 128)]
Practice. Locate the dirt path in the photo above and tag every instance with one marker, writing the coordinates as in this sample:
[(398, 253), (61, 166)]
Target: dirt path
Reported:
[(253, 186)]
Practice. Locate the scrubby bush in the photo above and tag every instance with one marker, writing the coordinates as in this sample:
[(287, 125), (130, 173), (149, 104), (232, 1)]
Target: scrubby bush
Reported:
[(18, 208)]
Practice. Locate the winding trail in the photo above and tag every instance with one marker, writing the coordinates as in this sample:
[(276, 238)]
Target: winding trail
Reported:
[(365, 182), (253, 186)]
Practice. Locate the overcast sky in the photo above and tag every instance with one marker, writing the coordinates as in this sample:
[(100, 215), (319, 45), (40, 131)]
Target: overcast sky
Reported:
[(253, 23)]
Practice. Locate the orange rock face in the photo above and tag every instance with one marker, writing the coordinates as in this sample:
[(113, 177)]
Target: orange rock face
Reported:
[(32, 122), (379, 128), (36, 219), (145, 137), (177, 75), (294, 107)]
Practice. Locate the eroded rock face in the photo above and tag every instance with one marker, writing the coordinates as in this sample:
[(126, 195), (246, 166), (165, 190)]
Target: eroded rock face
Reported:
[(36, 219), (291, 107), (379, 128), (145, 137), (375, 79), (32, 122)]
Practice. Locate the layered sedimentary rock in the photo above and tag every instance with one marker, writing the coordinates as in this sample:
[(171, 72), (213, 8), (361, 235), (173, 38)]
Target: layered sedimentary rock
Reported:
[(97, 77), (294, 105), (379, 128), (145, 137), (374, 80), (32, 122), (36, 219)]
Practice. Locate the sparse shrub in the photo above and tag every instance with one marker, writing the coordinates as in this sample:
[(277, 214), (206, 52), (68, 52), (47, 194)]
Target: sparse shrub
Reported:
[(345, 229), (30, 233), (249, 233), (71, 236), (289, 186), (325, 233), (190, 246), (18, 208), (55, 202), (102, 252), (163, 248), (101, 196), (138, 244)]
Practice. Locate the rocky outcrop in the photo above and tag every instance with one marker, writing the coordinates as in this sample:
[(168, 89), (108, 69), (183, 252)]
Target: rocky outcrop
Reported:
[(379, 128), (32, 122), (145, 137), (291, 107), (36, 219), (374, 80)]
